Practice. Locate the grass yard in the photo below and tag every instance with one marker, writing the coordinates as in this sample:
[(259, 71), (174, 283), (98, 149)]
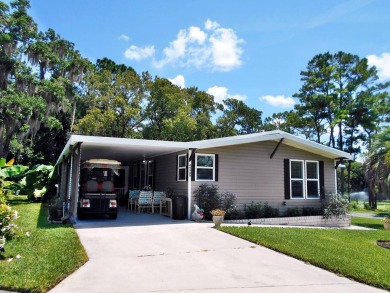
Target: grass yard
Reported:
[(47, 256), (383, 208), (351, 253)]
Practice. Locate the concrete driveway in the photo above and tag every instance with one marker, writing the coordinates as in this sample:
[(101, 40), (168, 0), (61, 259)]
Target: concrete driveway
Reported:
[(149, 253)]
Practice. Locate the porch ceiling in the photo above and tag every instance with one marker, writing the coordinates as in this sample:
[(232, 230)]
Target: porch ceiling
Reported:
[(93, 147)]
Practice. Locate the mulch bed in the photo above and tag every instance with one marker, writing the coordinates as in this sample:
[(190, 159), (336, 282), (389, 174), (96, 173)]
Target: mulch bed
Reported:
[(384, 243)]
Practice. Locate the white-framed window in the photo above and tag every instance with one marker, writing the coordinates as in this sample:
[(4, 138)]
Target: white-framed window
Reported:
[(304, 179), (312, 179), (297, 179), (182, 167), (204, 167)]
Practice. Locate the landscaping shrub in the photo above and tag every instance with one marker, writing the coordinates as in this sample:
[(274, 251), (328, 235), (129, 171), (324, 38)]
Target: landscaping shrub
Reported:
[(234, 214), (336, 205), (260, 210), (311, 211), (293, 212), (207, 198)]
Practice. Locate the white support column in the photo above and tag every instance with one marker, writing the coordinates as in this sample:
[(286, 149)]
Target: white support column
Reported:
[(189, 186)]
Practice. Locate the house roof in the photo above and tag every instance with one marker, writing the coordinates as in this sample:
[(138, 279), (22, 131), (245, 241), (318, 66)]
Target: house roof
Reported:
[(277, 135), (126, 149)]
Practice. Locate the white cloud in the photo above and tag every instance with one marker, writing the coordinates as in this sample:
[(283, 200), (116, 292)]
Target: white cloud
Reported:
[(211, 25), (221, 93), (217, 49), (179, 81), (382, 64), (279, 101), (124, 38), (194, 33), (138, 54)]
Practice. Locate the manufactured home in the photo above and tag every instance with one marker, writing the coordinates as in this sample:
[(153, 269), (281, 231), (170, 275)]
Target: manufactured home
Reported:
[(276, 167)]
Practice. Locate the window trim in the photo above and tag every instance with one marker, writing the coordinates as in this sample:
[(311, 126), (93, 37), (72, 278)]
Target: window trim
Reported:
[(304, 179), (296, 179), (318, 179), (185, 167), (202, 167)]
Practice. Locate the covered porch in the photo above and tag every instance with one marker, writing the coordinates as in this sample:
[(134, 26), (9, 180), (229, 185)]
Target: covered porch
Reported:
[(142, 164)]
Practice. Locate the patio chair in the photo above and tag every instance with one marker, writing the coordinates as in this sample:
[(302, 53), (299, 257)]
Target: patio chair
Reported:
[(133, 197), (145, 200), (157, 196)]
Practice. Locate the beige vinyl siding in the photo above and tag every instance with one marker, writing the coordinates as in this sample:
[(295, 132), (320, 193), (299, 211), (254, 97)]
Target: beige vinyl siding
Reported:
[(248, 171), (166, 175)]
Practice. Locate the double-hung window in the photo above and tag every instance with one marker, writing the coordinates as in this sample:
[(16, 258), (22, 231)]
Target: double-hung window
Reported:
[(304, 179), (204, 167), (182, 167), (312, 180)]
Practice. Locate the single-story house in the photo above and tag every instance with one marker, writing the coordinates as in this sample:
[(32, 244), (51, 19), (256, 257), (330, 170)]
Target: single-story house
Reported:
[(276, 167)]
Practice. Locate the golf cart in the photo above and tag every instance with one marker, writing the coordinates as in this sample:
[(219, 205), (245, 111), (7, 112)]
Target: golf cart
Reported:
[(97, 190)]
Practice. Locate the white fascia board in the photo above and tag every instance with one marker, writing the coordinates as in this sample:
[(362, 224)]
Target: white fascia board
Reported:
[(238, 139), (103, 140), (273, 135)]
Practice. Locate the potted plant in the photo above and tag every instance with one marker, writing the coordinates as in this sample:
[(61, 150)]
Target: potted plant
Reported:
[(218, 216)]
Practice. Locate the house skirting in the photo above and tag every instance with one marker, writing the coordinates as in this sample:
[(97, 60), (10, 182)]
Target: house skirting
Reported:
[(316, 221)]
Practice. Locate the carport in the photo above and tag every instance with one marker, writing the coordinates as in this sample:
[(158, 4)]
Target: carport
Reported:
[(80, 148)]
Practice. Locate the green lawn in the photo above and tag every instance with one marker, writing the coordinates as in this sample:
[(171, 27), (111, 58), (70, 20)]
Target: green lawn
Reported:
[(383, 208), (48, 255), (351, 253)]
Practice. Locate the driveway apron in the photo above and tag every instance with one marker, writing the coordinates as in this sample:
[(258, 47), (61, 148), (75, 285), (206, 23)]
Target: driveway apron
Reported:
[(149, 253)]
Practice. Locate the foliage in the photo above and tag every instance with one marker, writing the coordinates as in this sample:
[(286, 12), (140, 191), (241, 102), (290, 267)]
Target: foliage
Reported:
[(48, 253), (209, 198), (362, 259), (260, 210), (113, 98), (237, 119), (8, 228), (37, 181), (304, 211), (377, 167), (335, 205), (293, 212), (340, 91)]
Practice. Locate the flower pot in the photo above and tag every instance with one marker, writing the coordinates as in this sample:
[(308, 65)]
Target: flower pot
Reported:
[(217, 220), (386, 224)]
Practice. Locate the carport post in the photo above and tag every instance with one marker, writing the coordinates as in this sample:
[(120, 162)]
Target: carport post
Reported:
[(189, 193)]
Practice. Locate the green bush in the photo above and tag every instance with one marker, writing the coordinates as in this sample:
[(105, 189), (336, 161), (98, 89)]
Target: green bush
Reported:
[(234, 214), (260, 210), (311, 211), (293, 212), (209, 198), (336, 205)]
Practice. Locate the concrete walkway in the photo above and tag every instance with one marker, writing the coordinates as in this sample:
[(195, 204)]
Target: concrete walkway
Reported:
[(149, 253)]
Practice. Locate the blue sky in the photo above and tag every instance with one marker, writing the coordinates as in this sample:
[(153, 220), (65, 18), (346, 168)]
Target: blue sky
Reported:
[(247, 49)]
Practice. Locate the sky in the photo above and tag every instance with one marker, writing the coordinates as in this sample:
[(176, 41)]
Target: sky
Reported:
[(244, 49)]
